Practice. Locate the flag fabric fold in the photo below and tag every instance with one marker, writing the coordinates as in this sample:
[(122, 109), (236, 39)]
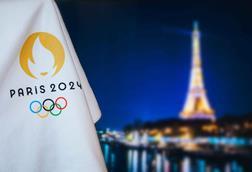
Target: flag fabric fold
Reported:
[(48, 108)]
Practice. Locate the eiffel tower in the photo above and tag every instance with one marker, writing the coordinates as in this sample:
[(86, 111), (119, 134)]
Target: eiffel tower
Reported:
[(196, 105)]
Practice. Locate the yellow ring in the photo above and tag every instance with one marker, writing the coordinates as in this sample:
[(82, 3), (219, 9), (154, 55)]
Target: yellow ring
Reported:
[(43, 115)]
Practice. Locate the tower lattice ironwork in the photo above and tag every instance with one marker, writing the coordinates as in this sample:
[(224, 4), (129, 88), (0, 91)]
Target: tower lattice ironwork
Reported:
[(196, 105)]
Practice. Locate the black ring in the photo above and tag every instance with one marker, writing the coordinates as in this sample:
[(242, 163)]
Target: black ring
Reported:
[(51, 106)]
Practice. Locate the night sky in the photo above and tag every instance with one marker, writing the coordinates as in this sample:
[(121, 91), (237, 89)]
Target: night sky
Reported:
[(137, 55)]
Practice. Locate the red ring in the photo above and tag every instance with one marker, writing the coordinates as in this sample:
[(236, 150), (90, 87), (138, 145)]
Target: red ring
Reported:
[(61, 108)]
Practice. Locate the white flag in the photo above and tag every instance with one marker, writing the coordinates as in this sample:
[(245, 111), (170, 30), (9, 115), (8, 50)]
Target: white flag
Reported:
[(47, 108)]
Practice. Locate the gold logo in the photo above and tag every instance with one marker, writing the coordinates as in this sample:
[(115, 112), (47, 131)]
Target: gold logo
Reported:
[(51, 45)]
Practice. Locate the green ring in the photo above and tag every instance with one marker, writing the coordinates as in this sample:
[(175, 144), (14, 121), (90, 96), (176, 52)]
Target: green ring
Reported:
[(55, 114)]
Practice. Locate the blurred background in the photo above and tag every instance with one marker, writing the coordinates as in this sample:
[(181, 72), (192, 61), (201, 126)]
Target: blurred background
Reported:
[(173, 81)]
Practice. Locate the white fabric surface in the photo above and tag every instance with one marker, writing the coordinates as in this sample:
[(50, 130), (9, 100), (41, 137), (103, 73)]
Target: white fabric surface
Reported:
[(64, 143)]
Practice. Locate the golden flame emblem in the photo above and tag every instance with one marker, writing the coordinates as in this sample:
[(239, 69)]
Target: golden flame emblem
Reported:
[(49, 44)]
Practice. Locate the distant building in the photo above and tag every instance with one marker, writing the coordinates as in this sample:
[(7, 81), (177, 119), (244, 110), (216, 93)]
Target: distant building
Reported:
[(196, 105)]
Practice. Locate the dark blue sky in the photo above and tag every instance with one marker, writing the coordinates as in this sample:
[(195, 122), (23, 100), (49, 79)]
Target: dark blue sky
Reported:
[(137, 55)]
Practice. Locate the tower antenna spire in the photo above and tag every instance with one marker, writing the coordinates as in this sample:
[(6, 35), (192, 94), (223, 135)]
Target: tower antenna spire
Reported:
[(195, 25)]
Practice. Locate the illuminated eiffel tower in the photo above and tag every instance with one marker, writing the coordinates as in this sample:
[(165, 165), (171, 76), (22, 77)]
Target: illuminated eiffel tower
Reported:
[(197, 105)]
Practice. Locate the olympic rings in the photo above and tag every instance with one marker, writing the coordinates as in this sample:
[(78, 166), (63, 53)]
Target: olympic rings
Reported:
[(57, 114), (53, 107), (50, 107), (63, 98), (39, 109), (45, 115)]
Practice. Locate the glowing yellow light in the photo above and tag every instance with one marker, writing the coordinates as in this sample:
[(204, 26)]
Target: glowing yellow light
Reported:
[(129, 137), (153, 132), (210, 128), (167, 131)]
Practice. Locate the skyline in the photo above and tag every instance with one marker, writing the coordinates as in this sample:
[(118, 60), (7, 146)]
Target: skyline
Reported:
[(130, 51)]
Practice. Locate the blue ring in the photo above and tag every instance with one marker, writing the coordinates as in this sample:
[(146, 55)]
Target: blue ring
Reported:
[(35, 101)]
